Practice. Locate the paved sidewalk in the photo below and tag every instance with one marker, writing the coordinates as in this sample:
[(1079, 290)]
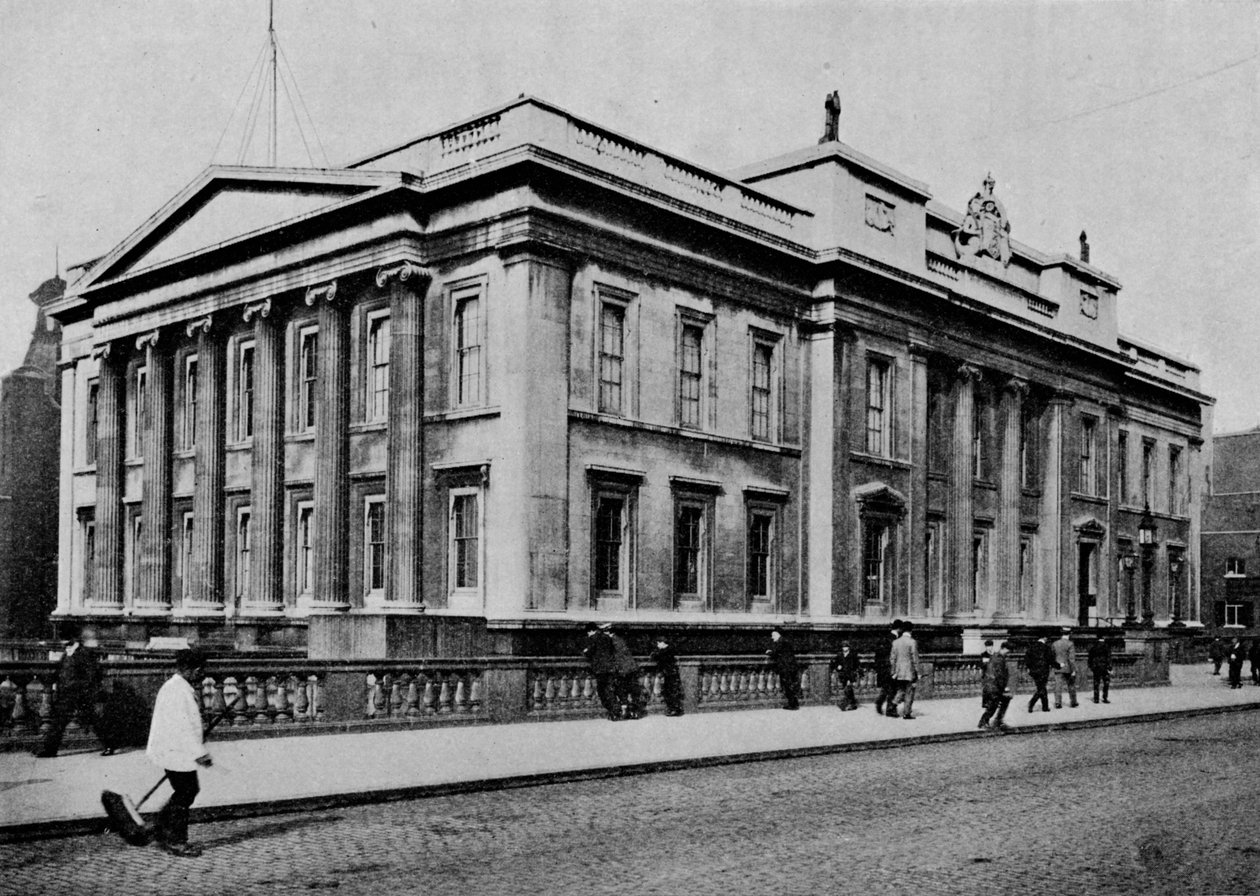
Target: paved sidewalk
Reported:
[(48, 797)]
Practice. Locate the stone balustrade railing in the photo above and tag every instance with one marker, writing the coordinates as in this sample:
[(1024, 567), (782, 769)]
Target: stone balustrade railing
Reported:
[(268, 697)]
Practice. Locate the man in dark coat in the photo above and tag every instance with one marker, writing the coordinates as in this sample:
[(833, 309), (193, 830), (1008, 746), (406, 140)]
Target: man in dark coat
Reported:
[(985, 656), (629, 695), (783, 658), (1039, 659), (1216, 653), (78, 685), (1236, 654), (847, 669), (1253, 656), (883, 669), (996, 693), (599, 653), (1100, 667), (666, 661)]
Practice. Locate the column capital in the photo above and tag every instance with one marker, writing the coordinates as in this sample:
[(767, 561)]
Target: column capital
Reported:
[(148, 340), (404, 272), (920, 351), (102, 352), (200, 325), (262, 309), (327, 292), (1017, 386), (968, 372)]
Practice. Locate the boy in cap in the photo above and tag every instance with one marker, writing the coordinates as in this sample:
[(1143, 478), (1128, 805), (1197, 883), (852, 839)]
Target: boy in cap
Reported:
[(847, 670), (176, 746), (783, 658), (997, 693), (666, 661)]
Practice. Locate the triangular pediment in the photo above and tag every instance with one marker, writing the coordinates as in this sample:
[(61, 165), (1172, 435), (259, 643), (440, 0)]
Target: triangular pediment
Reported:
[(228, 204), (879, 497), (1089, 527)]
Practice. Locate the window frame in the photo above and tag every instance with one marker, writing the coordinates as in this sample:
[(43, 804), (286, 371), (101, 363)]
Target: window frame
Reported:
[(878, 440), (1087, 470), (1122, 466), (87, 546), (375, 371), (700, 507), (877, 531), (375, 550), (689, 321), (1235, 567), (306, 373), (188, 403), (1175, 505), (1148, 471), (769, 595), (244, 377), (187, 535), (243, 545), (457, 496), (467, 365), (91, 420), (624, 590), (765, 426), (304, 549), (137, 410)]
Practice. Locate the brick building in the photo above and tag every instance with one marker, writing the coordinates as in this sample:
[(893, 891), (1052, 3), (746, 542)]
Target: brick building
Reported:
[(29, 436), (1231, 532), (526, 372)]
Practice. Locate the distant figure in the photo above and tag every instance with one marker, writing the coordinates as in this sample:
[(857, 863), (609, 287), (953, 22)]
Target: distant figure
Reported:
[(783, 658), (1065, 670), (905, 670), (176, 745), (883, 670), (847, 668), (1100, 667), (996, 689), (1253, 655), (666, 661), (1038, 658), (986, 656), (78, 686), (629, 694), (831, 120), (1216, 653), (1236, 654), (599, 653)]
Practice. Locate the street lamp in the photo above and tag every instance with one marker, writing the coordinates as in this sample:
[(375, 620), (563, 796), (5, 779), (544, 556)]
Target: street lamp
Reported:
[(1129, 560), (1146, 538), (1174, 572)]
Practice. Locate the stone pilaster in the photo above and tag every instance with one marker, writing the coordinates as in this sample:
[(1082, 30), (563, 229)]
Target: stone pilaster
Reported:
[(1054, 524), (1010, 493), (819, 459), (850, 432), (153, 584), (205, 586), (110, 520), (267, 464), (917, 499), (959, 598), (408, 286), (332, 451)]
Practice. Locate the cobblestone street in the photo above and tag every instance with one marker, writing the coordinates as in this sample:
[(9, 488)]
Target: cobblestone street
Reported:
[(1152, 808)]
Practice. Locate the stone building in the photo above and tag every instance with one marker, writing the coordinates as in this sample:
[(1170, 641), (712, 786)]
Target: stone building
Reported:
[(526, 372), (1231, 533), (29, 435)]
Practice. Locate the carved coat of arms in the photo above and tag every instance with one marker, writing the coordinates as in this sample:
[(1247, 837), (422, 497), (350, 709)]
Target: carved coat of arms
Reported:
[(985, 230)]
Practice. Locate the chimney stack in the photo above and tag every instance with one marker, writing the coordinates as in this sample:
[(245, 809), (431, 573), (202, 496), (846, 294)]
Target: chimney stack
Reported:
[(1084, 248)]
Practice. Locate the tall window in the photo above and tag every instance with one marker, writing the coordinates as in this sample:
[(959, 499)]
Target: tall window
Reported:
[(760, 574), (243, 545), (691, 550), (876, 540), (308, 377), (690, 374), (188, 409), (939, 444), (932, 561), (91, 429), (139, 410), (88, 526), (1122, 467), (1148, 471), (131, 557), (1088, 482), (612, 356), (305, 545), (374, 544), (980, 434), (979, 568), (762, 414), (245, 392), (1028, 441), (186, 553), (612, 543), (465, 546), (877, 407), (1026, 559), (378, 368), (1174, 480), (468, 339)]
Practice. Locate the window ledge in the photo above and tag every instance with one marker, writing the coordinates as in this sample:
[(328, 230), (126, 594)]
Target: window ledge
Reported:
[(370, 426), (879, 459), (463, 414)]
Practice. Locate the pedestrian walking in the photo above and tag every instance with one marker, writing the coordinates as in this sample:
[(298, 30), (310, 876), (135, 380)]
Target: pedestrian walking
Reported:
[(996, 689), (1253, 656), (78, 685), (783, 658), (1236, 654), (883, 670), (176, 745), (1100, 667), (599, 653), (847, 668), (1065, 670), (905, 670), (985, 656), (1216, 653), (628, 692), (1039, 659), (666, 661)]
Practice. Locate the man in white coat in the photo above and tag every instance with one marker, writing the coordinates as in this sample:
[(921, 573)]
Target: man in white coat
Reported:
[(176, 746)]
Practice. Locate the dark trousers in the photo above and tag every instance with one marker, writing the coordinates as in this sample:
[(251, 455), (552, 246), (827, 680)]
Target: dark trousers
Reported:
[(606, 690), (672, 691), (1101, 679), (1040, 682), (65, 708), (849, 700), (886, 690), (904, 694), (995, 703), (790, 684), (1235, 675), (1216, 666), (172, 821), (629, 695)]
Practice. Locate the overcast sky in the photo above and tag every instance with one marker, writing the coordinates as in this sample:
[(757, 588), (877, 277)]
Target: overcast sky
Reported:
[(1137, 122)]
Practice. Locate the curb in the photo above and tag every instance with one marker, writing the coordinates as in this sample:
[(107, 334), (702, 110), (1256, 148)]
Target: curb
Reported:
[(81, 826)]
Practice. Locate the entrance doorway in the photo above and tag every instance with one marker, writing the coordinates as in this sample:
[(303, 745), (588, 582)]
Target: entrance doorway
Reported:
[(1086, 582)]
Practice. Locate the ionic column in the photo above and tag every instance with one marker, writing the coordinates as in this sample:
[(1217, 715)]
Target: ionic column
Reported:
[(205, 586), (918, 493), (332, 450), (408, 286), (110, 399), (1010, 493), (267, 464), (961, 512), (154, 581)]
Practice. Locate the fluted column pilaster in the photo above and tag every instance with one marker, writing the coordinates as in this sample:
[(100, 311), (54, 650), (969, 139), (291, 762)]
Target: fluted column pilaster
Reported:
[(153, 584), (1010, 492), (961, 502), (205, 586), (110, 397), (408, 286), (332, 450), (267, 464)]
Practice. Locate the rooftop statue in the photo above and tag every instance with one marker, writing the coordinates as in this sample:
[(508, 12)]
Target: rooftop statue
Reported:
[(985, 230)]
